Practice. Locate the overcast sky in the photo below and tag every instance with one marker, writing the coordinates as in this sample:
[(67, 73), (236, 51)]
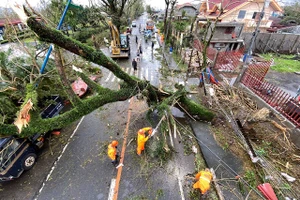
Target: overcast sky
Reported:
[(160, 4), (36, 2)]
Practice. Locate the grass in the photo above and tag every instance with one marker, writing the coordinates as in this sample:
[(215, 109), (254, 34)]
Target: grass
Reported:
[(250, 178), (179, 61), (283, 63), (27, 40)]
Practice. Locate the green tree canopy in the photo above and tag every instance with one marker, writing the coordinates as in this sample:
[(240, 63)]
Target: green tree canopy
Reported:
[(131, 86), (292, 14)]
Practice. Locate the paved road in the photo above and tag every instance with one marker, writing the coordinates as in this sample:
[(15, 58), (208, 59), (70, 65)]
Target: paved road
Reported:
[(148, 67), (85, 172)]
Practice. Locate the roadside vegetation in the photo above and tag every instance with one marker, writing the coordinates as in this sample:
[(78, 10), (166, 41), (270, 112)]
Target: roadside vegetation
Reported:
[(284, 63)]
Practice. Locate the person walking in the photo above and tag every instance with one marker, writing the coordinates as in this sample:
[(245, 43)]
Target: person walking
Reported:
[(134, 65), (112, 152), (136, 39), (140, 51), (152, 45), (203, 181), (142, 139)]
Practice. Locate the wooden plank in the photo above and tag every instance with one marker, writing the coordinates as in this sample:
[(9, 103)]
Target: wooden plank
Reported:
[(218, 189)]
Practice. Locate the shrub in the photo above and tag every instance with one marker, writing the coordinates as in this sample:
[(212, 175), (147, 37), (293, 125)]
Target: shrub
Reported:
[(85, 34)]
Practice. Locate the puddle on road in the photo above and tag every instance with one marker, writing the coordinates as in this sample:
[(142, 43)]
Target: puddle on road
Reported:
[(100, 196)]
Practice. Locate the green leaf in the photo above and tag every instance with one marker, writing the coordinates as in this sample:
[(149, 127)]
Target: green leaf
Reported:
[(74, 6)]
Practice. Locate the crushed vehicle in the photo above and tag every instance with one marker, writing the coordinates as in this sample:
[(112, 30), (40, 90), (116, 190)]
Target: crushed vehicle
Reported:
[(19, 154)]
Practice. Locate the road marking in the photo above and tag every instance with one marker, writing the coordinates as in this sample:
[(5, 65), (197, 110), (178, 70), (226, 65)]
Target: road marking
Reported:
[(129, 70), (59, 157), (111, 189), (113, 79), (141, 73), (152, 77), (147, 73), (122, 70), (181, 190), (108, 77), (118, 178)]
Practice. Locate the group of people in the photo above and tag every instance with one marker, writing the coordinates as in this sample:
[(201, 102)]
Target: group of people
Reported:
[(142, 137), (139, 53), (202, 178)]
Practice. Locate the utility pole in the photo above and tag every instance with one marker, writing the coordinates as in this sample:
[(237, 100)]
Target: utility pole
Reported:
[(249, 51)]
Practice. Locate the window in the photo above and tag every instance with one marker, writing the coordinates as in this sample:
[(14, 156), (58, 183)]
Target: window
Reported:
[(242, 14), (7, 153), (256, 15), (229, 30)]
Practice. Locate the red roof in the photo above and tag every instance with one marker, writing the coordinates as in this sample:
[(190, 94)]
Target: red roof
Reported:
[(227, 5), (10, 22), (178, 6)]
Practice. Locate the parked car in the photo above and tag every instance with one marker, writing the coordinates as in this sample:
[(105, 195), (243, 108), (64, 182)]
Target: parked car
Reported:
[(19, 154), (133, 24), (128, 30)]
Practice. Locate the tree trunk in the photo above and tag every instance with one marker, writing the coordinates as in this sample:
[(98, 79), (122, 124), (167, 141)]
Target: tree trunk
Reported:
[(61, 71), (129, 88), (170, 20), (166, 17)]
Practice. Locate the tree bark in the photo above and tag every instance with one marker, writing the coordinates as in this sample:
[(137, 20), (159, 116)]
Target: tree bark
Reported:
[(166, 16), (61, 71), (129, 88), (170, 20)]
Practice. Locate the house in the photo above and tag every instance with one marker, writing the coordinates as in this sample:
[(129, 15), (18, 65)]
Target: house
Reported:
[(243, 11), (159, 16), (187, 8), (17, 23), (226, 37)]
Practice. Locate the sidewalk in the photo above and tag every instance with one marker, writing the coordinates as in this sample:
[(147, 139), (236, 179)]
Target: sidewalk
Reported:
[(172, 65), (225, 164)]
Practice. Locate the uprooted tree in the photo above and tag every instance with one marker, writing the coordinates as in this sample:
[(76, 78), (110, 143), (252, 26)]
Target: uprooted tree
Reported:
[(156, 98)]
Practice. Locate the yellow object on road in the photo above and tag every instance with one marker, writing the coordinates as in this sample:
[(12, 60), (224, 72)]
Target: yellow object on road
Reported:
[(203, 181), (112, 150)]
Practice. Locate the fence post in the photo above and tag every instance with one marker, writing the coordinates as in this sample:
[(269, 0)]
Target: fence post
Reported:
[(267, 44)]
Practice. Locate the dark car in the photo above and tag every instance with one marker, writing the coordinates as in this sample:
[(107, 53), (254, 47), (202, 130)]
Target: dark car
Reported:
[(19, 154)]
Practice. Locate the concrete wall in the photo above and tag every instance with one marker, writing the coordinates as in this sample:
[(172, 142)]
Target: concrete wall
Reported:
[(273, 42)]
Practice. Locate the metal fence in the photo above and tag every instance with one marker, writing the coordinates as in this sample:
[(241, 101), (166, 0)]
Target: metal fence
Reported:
[(225, 61), (228, 61), (271, 94), (253, 78)]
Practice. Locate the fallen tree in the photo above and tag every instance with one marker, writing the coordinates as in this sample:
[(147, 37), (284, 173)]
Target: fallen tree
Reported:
[(130, 87)]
